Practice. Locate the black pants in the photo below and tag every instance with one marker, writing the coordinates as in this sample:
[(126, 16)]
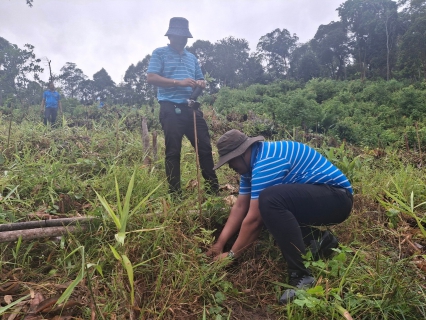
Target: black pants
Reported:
[(175, 126), (289, 211), (50, 115)]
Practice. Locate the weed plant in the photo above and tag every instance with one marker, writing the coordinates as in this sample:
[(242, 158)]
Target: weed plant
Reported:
[(156, 268)]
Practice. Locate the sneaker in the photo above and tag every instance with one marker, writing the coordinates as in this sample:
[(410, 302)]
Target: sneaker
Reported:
[(299, 282), (323, 248)]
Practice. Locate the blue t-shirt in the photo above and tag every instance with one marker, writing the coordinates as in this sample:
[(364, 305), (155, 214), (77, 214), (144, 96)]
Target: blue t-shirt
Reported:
[(168, 63), (51, 99), (286, 162)]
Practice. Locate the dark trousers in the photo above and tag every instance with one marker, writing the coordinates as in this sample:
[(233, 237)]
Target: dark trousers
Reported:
[(289, 211), (175, 125), (50, 115)]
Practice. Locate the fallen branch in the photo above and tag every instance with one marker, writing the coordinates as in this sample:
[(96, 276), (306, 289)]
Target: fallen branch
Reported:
[(44, 223), (30, 234)]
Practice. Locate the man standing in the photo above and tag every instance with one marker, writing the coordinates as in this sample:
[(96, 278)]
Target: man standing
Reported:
[(52, 101), (288, 187), (176, 73)]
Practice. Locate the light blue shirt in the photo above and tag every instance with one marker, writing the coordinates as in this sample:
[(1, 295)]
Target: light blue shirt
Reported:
[(169, 63)]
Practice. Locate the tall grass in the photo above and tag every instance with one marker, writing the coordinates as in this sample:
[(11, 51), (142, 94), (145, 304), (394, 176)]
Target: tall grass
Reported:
[(163, 273)]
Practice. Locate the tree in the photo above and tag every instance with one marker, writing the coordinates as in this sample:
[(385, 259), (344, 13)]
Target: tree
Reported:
[(412, 50), (275, 48), (71, 77), (103, 85), (331, 46), (88, 92), (18, 67), (204, 51), (304, 63), (372, 25), (230, 57), (136, 89)]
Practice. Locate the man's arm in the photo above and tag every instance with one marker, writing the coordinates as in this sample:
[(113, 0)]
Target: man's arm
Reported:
[(60, 106), (250, 229), (233, 224), (42, 104), (159, 81)]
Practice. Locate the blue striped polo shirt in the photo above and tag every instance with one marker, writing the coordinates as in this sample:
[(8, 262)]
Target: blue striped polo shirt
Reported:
[(286, 162), (169, 63)]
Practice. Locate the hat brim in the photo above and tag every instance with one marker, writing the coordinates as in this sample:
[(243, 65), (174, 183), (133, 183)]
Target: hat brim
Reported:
[(237, 152), (178, 32)]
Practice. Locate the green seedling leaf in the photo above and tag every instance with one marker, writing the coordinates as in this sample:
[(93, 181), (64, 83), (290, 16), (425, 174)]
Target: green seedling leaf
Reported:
[(115, 253), (67, 293), (144, 200), (129, 269), (120, 237), (97, 267), (117, 193), (109, 211)]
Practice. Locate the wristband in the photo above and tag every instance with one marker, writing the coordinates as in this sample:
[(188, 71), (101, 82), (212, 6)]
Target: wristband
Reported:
[(231, 254)]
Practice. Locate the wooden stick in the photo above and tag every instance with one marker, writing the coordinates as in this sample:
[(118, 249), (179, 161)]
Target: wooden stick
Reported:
[(154, 146), (198, 164), (145, 142), (44, 223), (30, 234)]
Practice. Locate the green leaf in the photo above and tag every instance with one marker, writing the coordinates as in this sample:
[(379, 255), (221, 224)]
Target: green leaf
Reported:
[(115, 253), (120, 237), (129, 268), (109, 211), (67, 293)]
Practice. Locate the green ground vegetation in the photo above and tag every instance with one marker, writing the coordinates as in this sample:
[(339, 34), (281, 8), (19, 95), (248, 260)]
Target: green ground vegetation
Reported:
[(143, 257)]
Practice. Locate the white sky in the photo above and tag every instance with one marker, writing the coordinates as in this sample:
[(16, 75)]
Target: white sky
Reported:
[(113, 34)]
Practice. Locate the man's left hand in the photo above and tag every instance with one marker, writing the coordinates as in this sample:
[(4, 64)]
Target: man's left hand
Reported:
[(221, 256), (201, 83)]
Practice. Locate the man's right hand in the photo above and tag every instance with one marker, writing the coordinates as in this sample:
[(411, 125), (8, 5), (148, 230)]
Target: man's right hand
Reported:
[(214, 250), (188, 82)]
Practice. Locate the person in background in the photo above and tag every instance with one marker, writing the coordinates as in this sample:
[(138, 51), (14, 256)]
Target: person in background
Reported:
[(176, 73), (50, 104), (288, 187), (101, 103)]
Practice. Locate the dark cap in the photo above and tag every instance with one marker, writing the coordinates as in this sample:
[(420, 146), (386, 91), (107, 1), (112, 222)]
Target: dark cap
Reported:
[(233, 144), (178, 27)]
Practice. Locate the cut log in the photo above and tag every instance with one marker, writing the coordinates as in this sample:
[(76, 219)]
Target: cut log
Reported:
[(45, 223), (30, 234)]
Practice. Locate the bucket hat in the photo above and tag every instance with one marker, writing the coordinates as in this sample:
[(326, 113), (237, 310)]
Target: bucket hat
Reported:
[(233, 144), (178, 27)]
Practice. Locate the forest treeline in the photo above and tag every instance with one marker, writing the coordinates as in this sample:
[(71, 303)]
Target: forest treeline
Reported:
[(373, 39)]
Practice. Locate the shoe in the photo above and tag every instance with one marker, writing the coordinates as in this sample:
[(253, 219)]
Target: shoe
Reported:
[(323, 248), (299, 282)]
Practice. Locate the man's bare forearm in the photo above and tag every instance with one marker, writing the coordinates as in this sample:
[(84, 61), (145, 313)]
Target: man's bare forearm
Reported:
[(235, 219), (250, 229)]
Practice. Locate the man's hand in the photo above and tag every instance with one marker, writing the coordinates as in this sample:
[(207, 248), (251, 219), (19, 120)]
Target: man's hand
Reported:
[(188, 82), (221, 256), (214, 250), (201, 83)]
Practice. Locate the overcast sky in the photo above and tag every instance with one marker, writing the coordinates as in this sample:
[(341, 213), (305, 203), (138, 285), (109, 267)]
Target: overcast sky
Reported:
[(113, 34)]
